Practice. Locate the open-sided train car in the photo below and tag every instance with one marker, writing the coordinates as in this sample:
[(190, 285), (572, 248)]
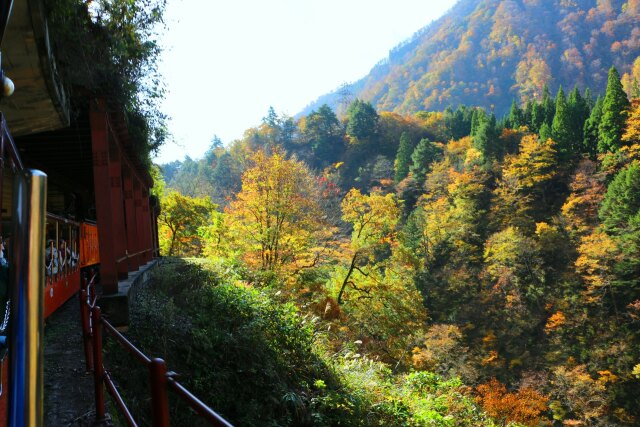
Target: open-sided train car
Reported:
[(71, 247)]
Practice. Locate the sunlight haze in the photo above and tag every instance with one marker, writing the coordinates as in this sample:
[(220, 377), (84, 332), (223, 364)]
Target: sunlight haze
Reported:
[(225, 63)]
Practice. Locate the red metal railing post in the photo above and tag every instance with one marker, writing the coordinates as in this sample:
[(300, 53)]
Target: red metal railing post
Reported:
[(86, 333), (98, 371), (159, 394)]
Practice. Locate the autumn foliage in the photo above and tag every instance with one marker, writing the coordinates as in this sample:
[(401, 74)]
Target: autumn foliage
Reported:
[(525, 406)]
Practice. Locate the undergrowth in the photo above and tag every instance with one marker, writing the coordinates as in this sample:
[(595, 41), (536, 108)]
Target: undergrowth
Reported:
[(259, 362)]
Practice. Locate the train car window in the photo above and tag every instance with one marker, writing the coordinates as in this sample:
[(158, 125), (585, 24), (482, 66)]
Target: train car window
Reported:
[(51, 256), (74, 243)]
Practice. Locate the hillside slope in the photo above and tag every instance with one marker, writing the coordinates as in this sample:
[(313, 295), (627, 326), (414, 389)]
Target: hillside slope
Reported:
[(488, 52)]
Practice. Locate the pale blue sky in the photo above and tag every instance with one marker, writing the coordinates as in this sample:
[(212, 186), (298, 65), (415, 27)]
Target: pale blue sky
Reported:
[(227, 61)]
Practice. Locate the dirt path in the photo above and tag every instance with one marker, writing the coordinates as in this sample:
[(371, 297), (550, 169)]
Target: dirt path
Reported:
[(68, 389)]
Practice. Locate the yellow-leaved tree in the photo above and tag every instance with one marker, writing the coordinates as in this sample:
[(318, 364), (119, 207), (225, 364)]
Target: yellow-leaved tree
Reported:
[(374, 218), (382, 306), (180, 220), (276, 222)]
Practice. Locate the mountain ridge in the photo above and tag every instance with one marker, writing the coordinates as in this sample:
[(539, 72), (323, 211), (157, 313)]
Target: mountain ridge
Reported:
[(489, 52)]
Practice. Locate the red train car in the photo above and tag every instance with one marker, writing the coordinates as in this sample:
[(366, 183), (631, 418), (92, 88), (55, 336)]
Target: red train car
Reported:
[(70, 248)]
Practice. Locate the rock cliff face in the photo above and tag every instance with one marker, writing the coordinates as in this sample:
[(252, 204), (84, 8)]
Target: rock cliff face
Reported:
[(489, 52)]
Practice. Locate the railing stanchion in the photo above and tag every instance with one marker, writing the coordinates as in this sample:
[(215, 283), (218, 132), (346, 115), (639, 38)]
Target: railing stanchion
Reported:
[(86, 333), (98, 371), (159, 392)]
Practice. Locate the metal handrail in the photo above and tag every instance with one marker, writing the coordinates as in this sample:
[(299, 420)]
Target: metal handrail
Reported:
[(196, 404), (124, 342), (161, 380), (129, 256)]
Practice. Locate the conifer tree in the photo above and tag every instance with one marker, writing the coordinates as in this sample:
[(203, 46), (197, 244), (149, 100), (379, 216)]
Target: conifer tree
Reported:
[(528, 114), (545, 132), (458, 122), (614, 114), (561, 125), (516, 116), (425, 153), (486, 138), (477, 117), (578, 114), (538, 116), (588, 99), (403, 158), (548, 105), (590, 130), (622, 201)]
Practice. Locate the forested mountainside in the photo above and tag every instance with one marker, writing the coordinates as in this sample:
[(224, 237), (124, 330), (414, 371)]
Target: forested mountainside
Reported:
[(501, 252), (489, 52)]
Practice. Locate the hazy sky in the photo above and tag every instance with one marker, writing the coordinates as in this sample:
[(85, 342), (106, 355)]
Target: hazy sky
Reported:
[(227, 61)]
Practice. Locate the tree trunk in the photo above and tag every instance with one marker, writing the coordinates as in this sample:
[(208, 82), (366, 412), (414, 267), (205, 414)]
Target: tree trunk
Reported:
[(346, 279)]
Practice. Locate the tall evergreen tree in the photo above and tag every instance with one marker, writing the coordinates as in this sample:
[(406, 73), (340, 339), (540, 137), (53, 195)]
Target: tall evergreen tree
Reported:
[(545, 132), (458, 122), (486, 138), (578, 114), (561, 126), (477, 117), (588, 99), (538, 116), (590, 130), (403, 158), (528, 114), (548, 105), (622, 201), (615, 107), (516, 116), (423, 156)]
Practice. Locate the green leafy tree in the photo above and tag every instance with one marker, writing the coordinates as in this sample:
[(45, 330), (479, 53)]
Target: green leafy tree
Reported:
[(615, 108), (226, 177), (111, 48), (362, 121), (322, 131)]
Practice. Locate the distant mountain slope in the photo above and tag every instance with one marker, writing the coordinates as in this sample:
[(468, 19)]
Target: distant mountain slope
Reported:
[(488, 52)]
